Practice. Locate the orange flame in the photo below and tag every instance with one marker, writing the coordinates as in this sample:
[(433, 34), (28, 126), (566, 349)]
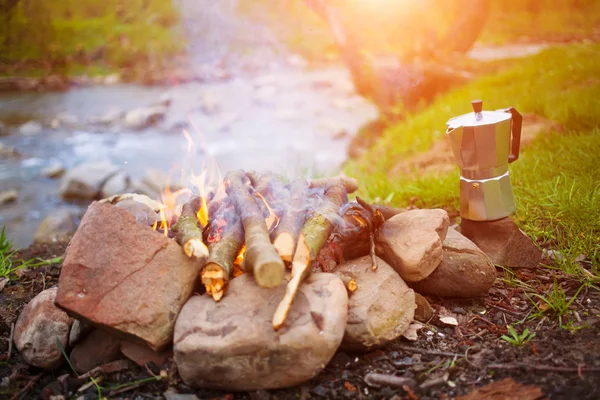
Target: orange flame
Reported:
[(272, 220), (240, 256), (163, 222)]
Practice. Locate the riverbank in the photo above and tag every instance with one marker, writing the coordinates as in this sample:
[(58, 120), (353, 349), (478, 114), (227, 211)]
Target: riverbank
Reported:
[(94, 38)]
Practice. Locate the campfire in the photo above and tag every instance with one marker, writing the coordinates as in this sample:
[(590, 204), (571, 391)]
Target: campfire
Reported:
[(254, 282), (263, 225)]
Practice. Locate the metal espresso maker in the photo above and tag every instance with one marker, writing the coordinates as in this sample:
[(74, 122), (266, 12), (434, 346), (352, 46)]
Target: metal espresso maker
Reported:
[(484, 143)]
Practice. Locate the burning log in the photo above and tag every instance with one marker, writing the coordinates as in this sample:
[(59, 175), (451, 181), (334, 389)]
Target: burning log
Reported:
[(350, 184), (226, 238), (267, 188), (187, 232), (291, 221), (313, 237), (260, 255), (355, 236)]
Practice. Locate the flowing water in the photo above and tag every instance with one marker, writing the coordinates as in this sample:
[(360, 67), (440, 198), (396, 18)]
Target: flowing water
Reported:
[(273, 113)]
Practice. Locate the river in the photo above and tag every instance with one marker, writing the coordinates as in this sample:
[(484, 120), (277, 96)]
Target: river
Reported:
[(273, 112)]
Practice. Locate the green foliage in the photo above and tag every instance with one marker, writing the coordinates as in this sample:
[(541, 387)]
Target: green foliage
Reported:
[(555, 303), (518, 339), (9, 265), (115, 33), (556, 181)]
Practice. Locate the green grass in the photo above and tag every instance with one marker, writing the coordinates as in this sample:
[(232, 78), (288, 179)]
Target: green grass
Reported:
[(518, 339), (556, 181), (9, 264)]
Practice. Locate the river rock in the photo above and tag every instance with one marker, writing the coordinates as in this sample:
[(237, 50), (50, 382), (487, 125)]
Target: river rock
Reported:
[(98, 348), (86, 180), (125, 277), (231, 345), (465, 270), (7, 151), (3, 129), (61, 223), (380, 309), (30, 128), (39, 329), (141, 118), (142, 355), (8, 196), (503, 242), (411, 242), (54, 170), (116, 184), (64, 119)]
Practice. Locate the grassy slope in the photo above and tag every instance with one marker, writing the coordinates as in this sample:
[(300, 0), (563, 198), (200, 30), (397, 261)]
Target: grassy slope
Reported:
[(557, 179), (71, 36)]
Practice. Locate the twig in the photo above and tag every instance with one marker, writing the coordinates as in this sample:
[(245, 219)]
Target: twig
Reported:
[(513, 313), (10, 342), (430, 352), (27, 387), (548, 368)]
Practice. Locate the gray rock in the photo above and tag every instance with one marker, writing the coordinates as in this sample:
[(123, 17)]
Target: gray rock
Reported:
[(380, 309), (141, 118), (97, 348), (465, 270), (64, 120), (156, 181), (411, 242), (231, 345), (3, 130), (30, 128), (111, 117), (78, 331), (86, 180), (40, 329), (8, 196), (54, 170), (60, 224), (7, 151), (117, 184)]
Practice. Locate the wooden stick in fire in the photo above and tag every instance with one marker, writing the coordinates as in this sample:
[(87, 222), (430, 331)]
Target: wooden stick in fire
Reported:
[(260, 256), (188, 232), (292, 220), (222, 253), (350, 184), (312, 238)]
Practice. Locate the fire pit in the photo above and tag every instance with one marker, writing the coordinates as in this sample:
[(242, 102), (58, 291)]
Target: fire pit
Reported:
[(257, 282)]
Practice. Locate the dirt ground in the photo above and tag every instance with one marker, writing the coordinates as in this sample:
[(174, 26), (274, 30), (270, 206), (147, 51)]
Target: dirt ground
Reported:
[(445, 362)]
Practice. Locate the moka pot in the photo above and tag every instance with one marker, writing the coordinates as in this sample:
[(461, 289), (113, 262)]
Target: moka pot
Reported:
[(484, 143)]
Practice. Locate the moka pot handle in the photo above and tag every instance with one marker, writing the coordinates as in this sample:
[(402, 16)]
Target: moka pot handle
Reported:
[(516, 125)]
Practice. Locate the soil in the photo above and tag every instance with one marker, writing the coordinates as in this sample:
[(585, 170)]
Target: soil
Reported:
[(446, 361)]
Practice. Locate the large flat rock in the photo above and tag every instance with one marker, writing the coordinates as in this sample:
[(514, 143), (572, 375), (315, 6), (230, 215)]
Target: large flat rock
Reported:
[(123, 276), (231, 345)]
